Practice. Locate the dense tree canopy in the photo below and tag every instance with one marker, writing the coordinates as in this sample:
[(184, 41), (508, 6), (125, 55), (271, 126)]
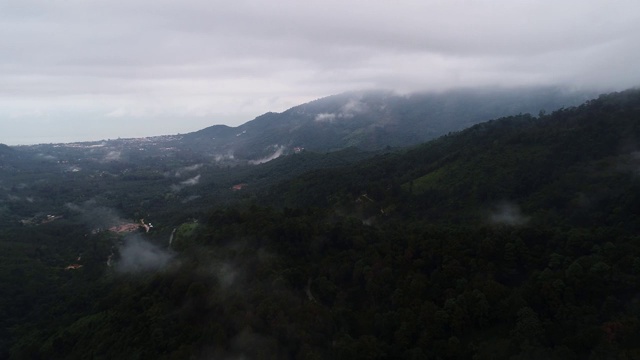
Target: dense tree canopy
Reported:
[(516, 238)]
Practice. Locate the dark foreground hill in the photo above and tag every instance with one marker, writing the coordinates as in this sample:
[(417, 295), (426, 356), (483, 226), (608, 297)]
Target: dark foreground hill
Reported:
[(516, 238)]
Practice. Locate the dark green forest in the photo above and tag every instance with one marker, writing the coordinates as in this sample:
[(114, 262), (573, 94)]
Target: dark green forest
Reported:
[(517, 238)]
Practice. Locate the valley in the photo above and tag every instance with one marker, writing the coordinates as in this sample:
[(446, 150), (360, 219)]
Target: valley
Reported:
[(511, 236)]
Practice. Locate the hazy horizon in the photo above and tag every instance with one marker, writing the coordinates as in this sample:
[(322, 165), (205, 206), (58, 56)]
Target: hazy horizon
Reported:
[(83, 71)]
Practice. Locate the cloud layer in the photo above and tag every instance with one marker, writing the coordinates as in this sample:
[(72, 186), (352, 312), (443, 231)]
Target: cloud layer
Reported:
[(138, 255), (106, 68)]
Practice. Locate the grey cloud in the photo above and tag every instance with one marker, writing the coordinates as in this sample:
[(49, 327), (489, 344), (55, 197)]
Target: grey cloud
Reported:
[(279, 150), (187, 169), (113, 156), (95, 215), (224, 157), (189, 182), (46, 157), (325, 117), (171, 34), (192, 181), (208, 62), (347, 111), (138, 255), (507, 213)]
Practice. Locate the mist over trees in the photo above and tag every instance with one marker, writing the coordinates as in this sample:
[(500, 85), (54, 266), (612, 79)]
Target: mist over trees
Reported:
[(514, 238)]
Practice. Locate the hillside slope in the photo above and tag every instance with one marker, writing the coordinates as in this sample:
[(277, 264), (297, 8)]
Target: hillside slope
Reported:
[(374, 120), (514, 239), (511, 158)]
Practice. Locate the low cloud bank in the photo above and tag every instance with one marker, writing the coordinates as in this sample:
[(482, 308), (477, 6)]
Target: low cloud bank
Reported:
[(275, 155), (507, 213), (96, 216), (352, 108), (113, 156), (138, 255), (224, 157), (187, 169), (189, 182)]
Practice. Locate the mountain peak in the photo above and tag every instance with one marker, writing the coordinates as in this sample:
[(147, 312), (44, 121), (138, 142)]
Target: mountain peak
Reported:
[(375, 119)]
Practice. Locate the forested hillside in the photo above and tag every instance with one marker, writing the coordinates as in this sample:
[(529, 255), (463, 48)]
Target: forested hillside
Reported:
[(516, 238), (373, 120)]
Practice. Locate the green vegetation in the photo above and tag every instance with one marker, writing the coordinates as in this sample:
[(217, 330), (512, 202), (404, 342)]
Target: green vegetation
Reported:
[(516, 238)]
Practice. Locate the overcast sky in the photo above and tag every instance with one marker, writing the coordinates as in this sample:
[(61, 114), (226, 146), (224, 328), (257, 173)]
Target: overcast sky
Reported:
[(74, 70)]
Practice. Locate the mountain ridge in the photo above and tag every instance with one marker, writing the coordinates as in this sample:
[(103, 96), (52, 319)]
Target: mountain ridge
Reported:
[(369, 120), (511, 157), (373, 120)]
